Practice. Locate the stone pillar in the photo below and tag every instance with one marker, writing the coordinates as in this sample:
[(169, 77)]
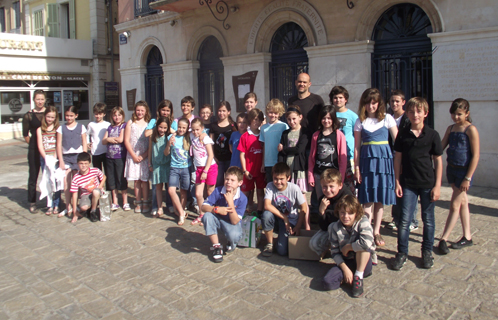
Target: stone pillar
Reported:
[(344, 64), (465, 65), (132, 78), (239, 65), (180, 80)]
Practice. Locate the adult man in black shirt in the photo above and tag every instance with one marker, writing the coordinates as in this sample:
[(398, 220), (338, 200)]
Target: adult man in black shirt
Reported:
[(309, 103)]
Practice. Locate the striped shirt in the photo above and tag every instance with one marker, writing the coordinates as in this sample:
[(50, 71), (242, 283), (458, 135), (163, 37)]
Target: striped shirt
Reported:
[(49, 142), (360, 236), (86, 183)]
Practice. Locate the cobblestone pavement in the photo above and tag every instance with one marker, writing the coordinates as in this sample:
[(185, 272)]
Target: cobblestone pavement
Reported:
[(137, 267)]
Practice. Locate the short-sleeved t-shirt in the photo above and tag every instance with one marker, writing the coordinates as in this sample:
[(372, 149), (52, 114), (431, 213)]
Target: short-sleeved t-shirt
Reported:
[(347, 120), (234, 142), (152, 125), (217, 199), (116, 150), (250, 145), (310, 108), (221, 136), (180, 158), (286, 201), (199, 151), (270, 135), (86, 183), (95, 134), (416, 159), (175, 122)]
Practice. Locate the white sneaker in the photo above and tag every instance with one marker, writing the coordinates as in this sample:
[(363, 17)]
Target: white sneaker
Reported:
[(413, 228), (392, 225)]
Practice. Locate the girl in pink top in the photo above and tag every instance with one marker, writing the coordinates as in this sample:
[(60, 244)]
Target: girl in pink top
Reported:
[(328, 149)]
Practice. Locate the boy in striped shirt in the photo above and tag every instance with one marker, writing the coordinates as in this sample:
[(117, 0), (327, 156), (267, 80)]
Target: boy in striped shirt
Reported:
[(90, 183)]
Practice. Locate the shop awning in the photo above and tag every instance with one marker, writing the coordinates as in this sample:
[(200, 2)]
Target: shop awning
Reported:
[(44, 76)]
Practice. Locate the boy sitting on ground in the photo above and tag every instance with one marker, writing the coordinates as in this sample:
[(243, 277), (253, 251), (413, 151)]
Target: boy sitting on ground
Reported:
[(333, 191), (90, 183), (285, 210), (352, 241), (224, 209)]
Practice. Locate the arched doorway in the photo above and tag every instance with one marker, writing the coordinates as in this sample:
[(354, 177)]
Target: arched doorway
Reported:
[(154, 80), (288, 59), (210, 76), (402, 57)]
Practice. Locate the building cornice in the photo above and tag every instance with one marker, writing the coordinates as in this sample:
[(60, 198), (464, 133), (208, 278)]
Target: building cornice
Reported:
[(150, 20)]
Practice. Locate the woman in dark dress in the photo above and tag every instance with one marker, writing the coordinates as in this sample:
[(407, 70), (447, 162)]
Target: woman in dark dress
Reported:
[(32, 121)]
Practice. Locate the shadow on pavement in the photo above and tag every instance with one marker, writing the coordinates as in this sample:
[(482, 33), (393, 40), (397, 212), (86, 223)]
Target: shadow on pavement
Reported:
[(187, 242), (17, 195)]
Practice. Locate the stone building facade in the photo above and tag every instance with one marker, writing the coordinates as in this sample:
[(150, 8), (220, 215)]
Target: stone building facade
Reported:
[(439, 49)]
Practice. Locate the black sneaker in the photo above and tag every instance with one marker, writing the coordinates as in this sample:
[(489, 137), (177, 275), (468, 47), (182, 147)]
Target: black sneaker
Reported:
[(443, 247), (93, 216), (427, 259), (230, 247), (462, 243), (357, 287), (399, 261), (217, 253)]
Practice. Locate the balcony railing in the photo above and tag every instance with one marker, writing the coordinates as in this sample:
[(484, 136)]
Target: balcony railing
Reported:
[(142, 8)]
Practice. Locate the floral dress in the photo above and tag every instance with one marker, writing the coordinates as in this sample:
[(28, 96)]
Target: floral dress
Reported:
[(140, 145)]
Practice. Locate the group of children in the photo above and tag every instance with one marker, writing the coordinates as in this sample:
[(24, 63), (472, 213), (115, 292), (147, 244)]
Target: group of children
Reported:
[(221, 162)]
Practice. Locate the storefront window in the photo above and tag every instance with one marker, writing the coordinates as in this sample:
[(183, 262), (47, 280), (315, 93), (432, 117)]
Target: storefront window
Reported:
[(65, 98), (13, 106)]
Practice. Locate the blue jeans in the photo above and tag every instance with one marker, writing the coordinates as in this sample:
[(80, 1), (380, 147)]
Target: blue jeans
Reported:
[(408, 210), (212, 223), (179, 178), (396, 213), (268, 221)]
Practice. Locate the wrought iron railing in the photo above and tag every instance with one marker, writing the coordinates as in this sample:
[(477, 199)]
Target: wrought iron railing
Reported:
[(142, 8)]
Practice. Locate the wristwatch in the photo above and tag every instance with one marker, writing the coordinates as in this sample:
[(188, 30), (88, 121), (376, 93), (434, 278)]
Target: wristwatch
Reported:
[(467, 178)]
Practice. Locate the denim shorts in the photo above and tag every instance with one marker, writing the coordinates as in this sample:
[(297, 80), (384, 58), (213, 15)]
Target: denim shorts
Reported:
[(456, 175), (179, 178)]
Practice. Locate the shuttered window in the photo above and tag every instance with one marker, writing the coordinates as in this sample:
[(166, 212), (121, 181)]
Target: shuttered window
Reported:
[(65, 11), (53, 20)]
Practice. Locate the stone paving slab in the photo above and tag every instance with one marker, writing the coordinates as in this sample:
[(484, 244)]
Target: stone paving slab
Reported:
[(138, 267)]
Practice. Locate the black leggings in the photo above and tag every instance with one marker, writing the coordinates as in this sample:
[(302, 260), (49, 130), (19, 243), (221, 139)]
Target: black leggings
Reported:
[(34, 170)]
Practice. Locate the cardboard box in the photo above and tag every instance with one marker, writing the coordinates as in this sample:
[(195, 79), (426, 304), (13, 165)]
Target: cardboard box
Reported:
[(299, 246)]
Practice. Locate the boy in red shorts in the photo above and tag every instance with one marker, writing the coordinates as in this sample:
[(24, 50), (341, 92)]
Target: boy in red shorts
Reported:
[(251, 159)]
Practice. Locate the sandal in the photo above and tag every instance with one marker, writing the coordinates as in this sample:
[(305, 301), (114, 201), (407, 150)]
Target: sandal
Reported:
[(379, 241), (138, 206), (56, 211), (197, 220), (49, 211), (160, 212), (181, 221), (145, 207), (33, 208)]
